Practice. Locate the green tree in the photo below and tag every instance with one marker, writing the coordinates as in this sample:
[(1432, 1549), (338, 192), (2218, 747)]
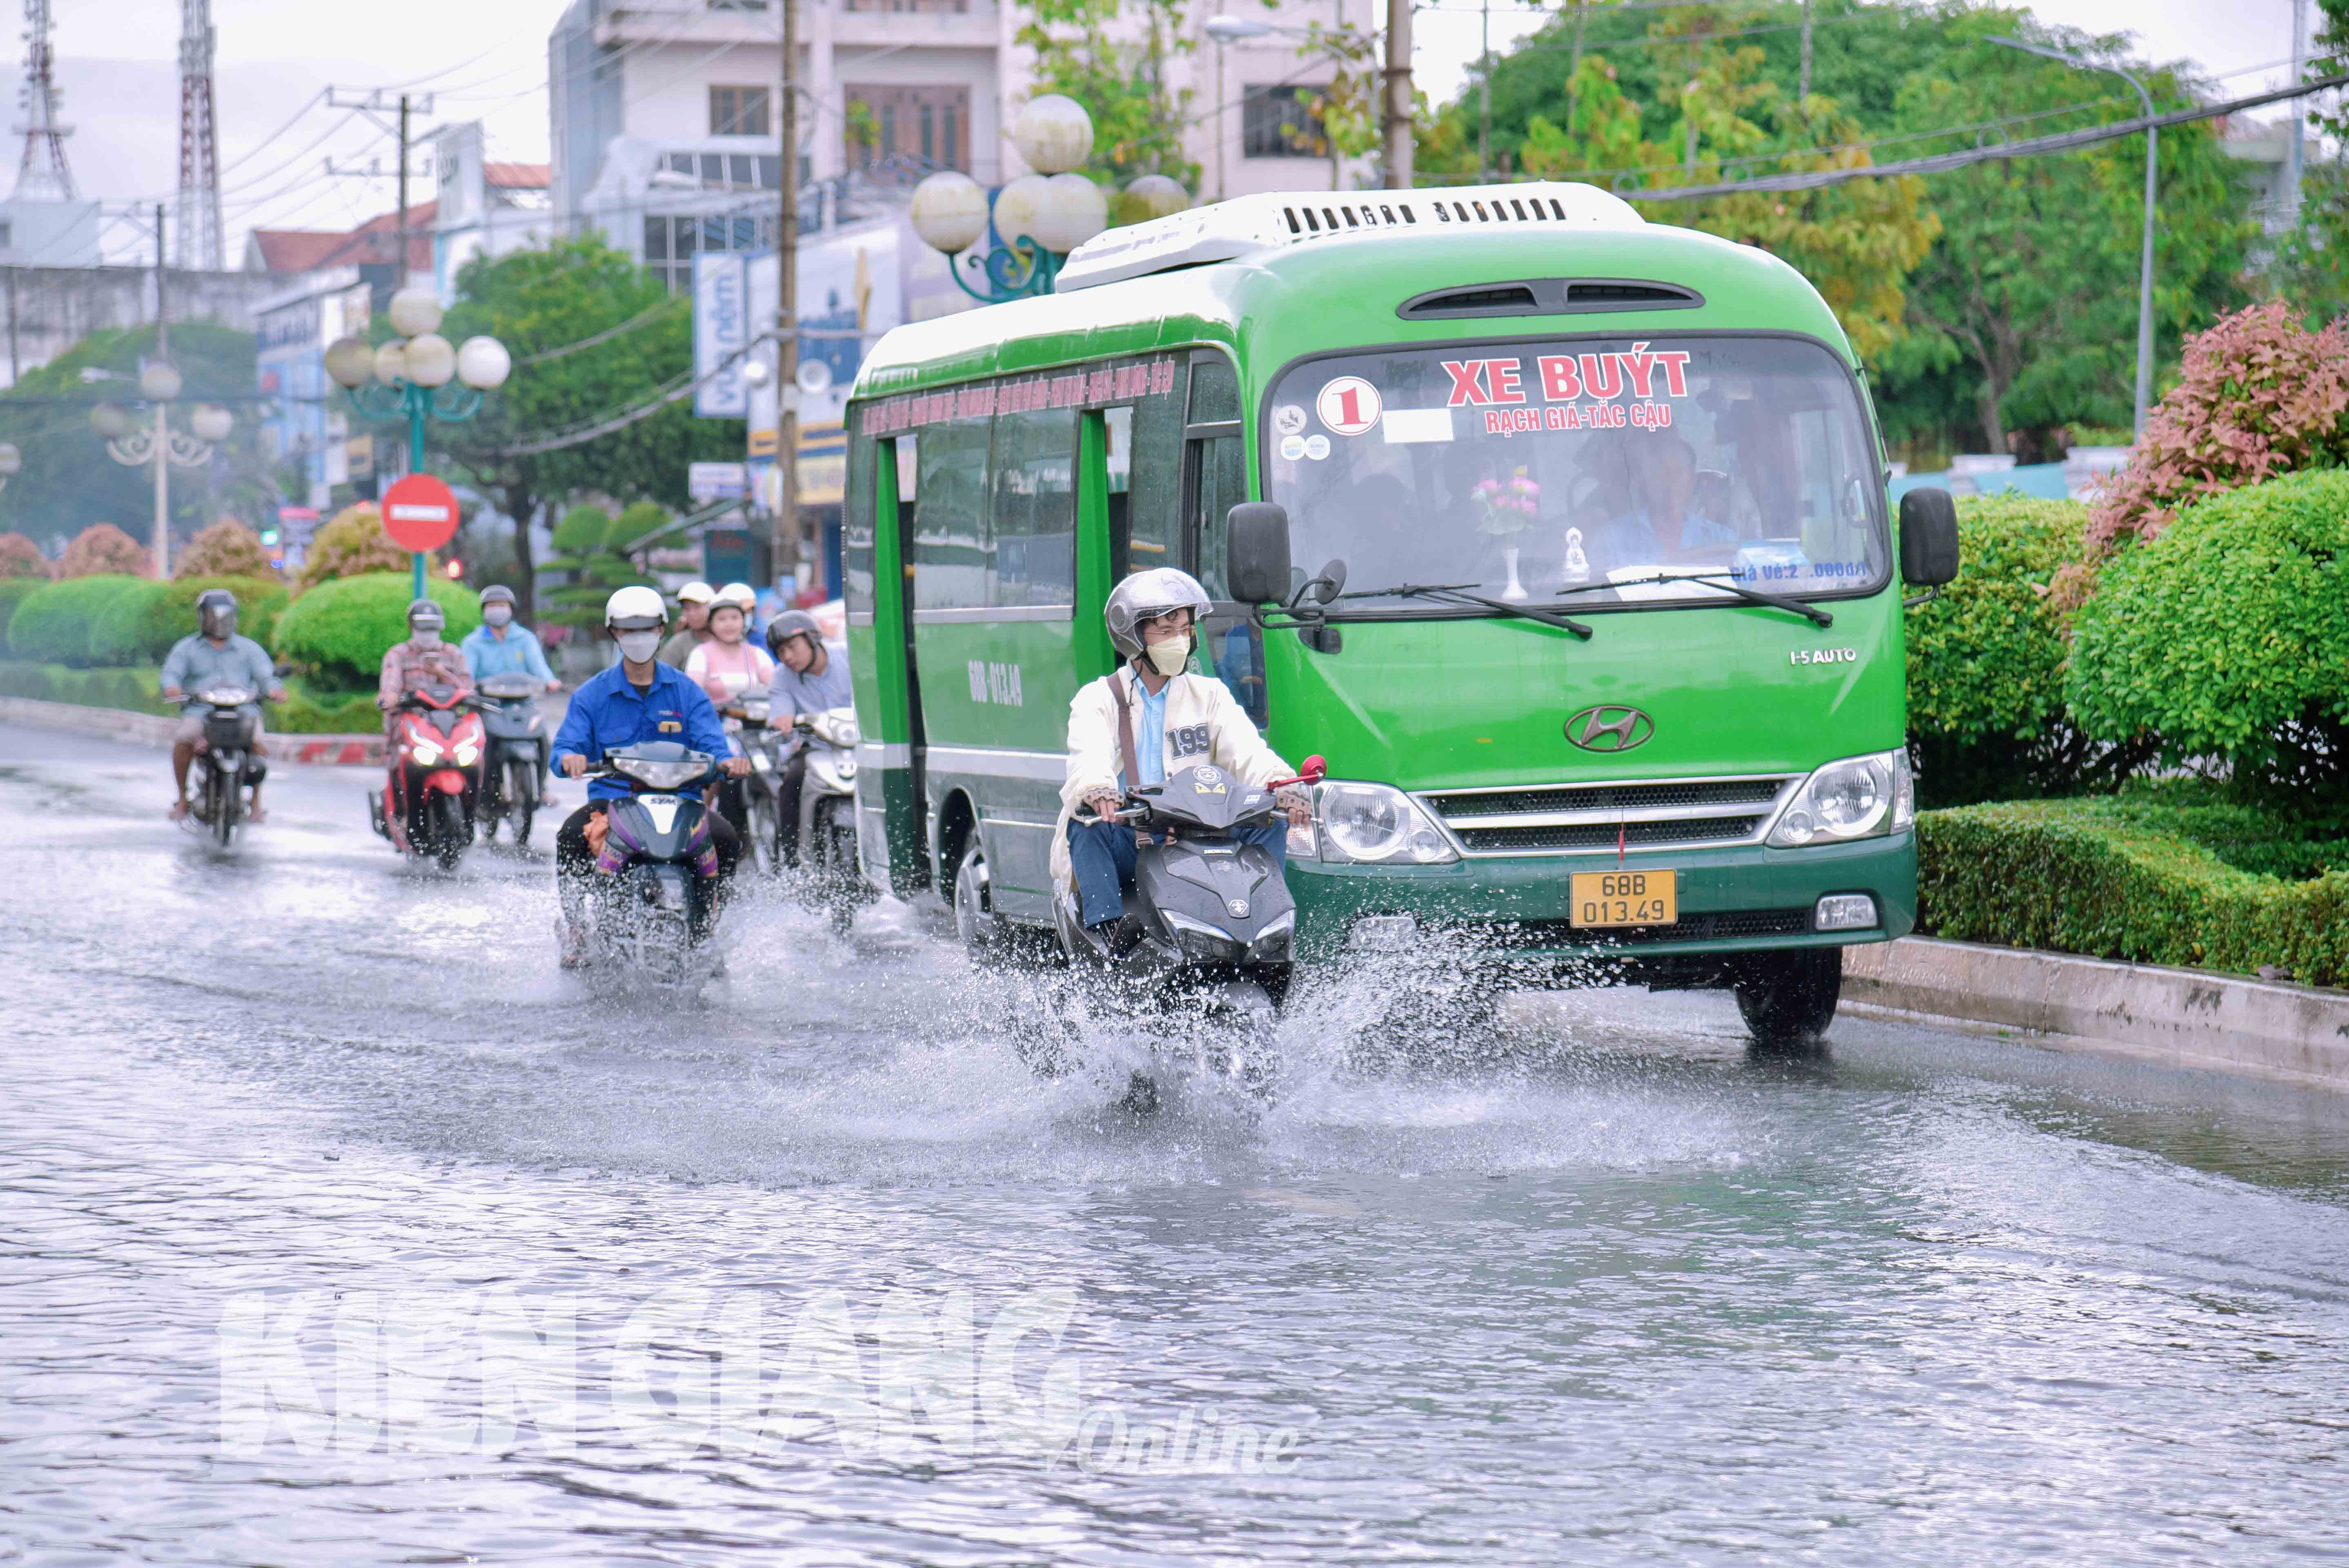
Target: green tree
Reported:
[(1114, 59), (2026, 309), (541, 299), (68, 482), (602, 553)]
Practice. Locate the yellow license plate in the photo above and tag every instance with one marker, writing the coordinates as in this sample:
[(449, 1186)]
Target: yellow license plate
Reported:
[(1625, 899)]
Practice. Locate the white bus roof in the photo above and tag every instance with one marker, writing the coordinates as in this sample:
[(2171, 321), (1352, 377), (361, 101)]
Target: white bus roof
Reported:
[(1245, 225)]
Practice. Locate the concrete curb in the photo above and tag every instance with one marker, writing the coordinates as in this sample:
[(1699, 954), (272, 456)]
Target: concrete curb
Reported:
[(2183, 1018), (155, 729)]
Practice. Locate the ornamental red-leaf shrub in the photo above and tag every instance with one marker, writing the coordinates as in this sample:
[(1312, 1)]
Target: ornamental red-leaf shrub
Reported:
[(102, 548), (20, 557), (2259, 396), (226, 550)]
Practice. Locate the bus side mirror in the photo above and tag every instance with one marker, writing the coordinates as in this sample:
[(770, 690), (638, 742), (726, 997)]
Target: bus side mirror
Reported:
[(1929, 537), (1255, 553)]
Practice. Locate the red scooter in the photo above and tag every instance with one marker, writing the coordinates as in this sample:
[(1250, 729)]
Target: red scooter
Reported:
[(433, 774)]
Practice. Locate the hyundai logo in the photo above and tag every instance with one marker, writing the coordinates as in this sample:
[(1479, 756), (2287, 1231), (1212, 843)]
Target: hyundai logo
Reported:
[(1609, 727)]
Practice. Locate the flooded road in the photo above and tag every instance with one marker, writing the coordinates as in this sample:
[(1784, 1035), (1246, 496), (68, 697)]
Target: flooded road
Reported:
[(337, 1226)]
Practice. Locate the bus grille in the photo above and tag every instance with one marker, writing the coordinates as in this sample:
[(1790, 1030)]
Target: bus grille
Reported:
[(1590, 819)]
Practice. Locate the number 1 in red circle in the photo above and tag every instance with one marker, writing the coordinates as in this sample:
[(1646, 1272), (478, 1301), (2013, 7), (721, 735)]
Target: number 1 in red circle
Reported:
[(1348, 406)]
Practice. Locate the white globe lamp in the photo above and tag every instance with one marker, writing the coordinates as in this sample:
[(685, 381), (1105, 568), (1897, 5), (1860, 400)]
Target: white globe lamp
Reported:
[(211, 422), (1158, 196), (111, 420), (431, 359), (949, 212), (415, 311), (1017, 206), (11, 460), (391, 363), (160, 381), (350, 361), (1073, 211), (483, 364), (1053, 133)]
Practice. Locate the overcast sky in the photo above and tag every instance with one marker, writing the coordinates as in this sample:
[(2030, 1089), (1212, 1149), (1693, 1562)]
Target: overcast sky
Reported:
[(117, 64)]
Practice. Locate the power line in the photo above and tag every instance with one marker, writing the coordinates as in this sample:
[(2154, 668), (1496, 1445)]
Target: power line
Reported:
[(1942, 163), (663, 308)]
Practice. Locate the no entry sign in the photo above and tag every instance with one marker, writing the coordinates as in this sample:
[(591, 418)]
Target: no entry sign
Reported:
[(420, 513)]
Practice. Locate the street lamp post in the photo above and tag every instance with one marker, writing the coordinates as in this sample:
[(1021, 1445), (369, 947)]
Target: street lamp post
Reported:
[(409, 377), (2145, 256), (1031, 223), (134, 444)]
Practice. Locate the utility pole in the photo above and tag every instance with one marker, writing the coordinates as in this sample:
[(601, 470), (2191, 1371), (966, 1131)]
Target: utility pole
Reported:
[(162, 431), (1802, 85), (2293, 153), (1398, 126), (400, 263), (787, 294), (1484, 96)]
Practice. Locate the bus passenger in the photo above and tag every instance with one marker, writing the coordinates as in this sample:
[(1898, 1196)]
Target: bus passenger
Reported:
[(1154, 713)]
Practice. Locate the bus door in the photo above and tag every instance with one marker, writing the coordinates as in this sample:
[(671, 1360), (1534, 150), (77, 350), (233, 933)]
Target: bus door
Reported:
[(992, 544), (1214, 480), (876, 521)]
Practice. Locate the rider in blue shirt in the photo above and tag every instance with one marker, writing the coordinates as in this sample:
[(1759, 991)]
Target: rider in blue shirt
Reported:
[(499, 646), (638, 700)]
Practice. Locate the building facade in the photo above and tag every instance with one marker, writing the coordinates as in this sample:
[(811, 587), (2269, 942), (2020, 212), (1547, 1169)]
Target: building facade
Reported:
[(481, 205)]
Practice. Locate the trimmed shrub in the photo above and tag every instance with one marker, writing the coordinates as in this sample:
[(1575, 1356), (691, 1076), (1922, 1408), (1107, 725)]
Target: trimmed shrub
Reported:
[(2227, 636), (587, 545), (20, 557), (56, 623), (226, 550), (117, 632), (338, 632), (103, 550), (314, 711), (138, 689), (1986, 714), (14, 591), (352, 543), (2073, 876), (2259, 396), (259, 602)]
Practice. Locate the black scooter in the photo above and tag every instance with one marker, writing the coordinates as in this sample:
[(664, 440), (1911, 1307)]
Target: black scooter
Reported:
[(653, 914), (1210, 926), (513, 774), (225, 764)]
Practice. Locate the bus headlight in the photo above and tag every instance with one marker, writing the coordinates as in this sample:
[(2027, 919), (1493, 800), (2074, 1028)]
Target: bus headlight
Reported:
[(1857, 798), (1376, 822)]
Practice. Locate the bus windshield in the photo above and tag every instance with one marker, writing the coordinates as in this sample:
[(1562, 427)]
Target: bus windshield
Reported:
[(1592, 472)]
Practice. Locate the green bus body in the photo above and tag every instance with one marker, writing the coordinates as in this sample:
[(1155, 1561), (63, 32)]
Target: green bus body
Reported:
[(964, 705)]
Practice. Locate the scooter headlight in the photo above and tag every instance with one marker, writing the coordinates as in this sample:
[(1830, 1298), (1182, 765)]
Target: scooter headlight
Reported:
[(424, 752), (1376, 822), (467, 755), (1199, 938), (1272, 943)]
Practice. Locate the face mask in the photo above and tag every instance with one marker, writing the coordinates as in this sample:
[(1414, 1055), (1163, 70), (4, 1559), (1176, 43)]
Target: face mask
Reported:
[(496, 615), (1170, 656), (638, 647), (427, 636)]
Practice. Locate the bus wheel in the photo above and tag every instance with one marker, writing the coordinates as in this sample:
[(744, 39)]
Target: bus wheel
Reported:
[(976, 921), (1788, 999)]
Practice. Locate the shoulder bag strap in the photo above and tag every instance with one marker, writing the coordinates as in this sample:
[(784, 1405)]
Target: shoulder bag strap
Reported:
[(1125, 729)]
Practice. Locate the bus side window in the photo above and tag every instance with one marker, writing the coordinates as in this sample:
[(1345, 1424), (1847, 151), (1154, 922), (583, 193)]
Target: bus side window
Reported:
[(1118, 426), (1153, 519), (857, 519), (1229, 643), (1034, 538), (1214, 389), (953, 553)]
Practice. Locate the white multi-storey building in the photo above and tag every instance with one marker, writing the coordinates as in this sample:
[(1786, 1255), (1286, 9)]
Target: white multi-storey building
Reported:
[(665, 126)]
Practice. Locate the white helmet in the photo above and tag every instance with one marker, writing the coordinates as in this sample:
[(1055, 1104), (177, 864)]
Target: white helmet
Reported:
[(1147, 593), (696, 593), (741, 596), (634, 608)]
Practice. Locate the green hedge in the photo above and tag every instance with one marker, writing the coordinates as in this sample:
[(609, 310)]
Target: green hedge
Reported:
[(309, 711), (1986, 714), (2082, 876), (136, 689), (117, 632), (172, 615), (339, 631), (14, 591), (65, 622)]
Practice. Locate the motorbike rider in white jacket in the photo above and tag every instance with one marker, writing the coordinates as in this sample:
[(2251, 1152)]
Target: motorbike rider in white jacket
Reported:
[(1156, 709)]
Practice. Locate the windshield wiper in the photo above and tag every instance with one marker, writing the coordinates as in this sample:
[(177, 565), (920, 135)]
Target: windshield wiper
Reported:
[(1721, 580), (1459, 594)]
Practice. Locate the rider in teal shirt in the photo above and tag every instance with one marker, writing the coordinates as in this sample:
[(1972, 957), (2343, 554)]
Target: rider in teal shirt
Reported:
[(499, 646)]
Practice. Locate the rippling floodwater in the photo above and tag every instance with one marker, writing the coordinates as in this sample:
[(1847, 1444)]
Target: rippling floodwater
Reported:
[(291, 1143)]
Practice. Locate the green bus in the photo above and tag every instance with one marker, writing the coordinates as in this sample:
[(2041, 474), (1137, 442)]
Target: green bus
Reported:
[(1594, 609)]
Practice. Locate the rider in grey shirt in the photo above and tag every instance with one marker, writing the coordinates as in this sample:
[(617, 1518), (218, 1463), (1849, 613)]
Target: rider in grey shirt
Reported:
[(811, 678)]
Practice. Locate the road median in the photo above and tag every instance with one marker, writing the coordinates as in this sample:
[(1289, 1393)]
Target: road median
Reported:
[(2178, 1017), (155, 729)]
